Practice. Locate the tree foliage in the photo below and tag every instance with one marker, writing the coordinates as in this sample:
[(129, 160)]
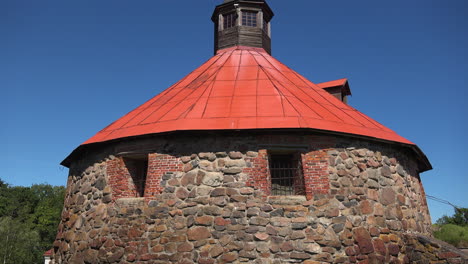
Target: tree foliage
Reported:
[(459, 218), (453, 229), (29, 217)]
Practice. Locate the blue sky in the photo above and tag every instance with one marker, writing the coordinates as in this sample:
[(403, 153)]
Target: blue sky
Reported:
[(70, 68)]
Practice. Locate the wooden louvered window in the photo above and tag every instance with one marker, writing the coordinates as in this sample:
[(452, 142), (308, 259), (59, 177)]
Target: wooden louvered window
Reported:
[(286, 174), (137, 166)]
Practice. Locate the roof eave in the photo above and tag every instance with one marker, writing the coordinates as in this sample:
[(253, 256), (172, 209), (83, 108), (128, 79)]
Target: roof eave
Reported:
[(423, 162)]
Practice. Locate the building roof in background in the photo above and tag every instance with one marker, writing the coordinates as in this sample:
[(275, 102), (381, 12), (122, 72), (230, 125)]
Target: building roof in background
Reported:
[(342, 83)]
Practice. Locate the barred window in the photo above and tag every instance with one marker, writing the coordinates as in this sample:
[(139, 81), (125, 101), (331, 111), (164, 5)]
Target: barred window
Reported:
[(137, 167), (249, 18), (229, 20), (286, 174)]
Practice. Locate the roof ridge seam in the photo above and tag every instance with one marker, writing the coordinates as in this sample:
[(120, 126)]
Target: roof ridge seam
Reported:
[(235, 85), (166, 91), (285, 87), (182, 88), (194, 79), (297, 75), (318, 94), (217, 72), (274, 85), (298, 97)]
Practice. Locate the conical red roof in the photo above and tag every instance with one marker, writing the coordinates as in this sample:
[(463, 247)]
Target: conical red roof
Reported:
[(244, 88)]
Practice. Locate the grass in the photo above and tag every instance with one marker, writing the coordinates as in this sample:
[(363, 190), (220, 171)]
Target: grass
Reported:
[(453, 234)]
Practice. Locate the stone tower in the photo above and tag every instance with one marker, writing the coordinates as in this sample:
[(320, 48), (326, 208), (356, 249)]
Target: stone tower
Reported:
[(244, 160)]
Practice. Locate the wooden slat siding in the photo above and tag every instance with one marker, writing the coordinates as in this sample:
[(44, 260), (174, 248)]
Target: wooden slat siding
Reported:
[(337, 92), (250, 36), (228, 38), (243, 36)]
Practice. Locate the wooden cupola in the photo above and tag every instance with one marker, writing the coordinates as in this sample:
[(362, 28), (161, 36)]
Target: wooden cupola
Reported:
[(242, 23)]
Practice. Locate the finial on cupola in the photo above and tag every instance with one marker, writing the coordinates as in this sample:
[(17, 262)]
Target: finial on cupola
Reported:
[(242, 23)]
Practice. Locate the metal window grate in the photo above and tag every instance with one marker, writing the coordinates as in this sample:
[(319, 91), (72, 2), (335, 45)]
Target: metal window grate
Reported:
[(229, 20), (249, 18), (286, 175)]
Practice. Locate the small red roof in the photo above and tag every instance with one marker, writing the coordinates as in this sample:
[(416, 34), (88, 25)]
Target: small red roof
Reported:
[(48, 253), (244, 88), (343, 83), (340, 82)]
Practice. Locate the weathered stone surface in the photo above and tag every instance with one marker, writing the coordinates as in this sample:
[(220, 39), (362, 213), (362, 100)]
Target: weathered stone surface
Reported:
[(297, 255), (216, 250), (373, 184), (198, 233), (387, 196), (229, 257), (379, 246), (182, 193), (218, 192), (400, 170), (100, 183), (385, 171), (259, 221), (393, 249), (213, 179), (261, 236), (207, 155), (232, 170), (185, 247), (188, 178), (366, 207), (364, 240), (116, 256), (313, 248), (235, 155), (216, 212), (204, 220)]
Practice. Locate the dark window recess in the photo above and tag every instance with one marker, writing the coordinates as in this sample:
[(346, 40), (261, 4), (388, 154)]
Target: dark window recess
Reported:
[(229, 20), (286, 175), (249, 18), (138, 168)]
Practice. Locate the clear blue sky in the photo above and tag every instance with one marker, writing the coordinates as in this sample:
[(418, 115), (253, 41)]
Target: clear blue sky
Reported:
[(70, 68)]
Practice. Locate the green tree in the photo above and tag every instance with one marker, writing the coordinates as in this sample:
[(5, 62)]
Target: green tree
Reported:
[(19, 244), (459, 218), (3, 197), (47, 212), (29, 217)]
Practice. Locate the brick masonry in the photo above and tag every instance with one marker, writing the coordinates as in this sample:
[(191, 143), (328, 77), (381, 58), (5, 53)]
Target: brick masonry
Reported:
[(207, 200), (158, 165)]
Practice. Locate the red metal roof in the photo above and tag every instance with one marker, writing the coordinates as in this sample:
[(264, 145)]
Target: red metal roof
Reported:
[(340, 82), (48, 253), (343, 83), (244, 88)]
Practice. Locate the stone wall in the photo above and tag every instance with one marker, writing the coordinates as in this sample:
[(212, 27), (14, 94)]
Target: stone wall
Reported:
[(211, 203)]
